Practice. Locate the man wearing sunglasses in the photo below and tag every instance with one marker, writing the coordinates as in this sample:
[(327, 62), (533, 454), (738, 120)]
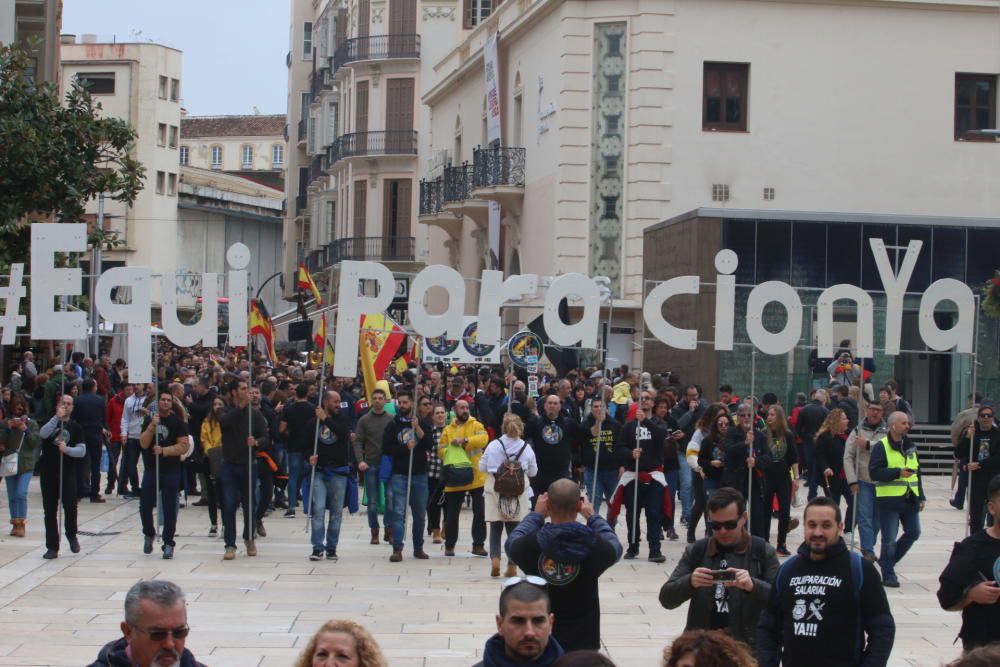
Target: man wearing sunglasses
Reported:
[(726, 577), (524, 627), (155, 629), (984, 438)]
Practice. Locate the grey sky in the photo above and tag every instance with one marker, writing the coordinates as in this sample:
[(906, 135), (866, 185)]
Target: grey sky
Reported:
[(234, 50)]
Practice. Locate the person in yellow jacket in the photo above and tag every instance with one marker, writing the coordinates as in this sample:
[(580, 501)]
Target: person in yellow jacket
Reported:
[(211, 443), (468, 434)]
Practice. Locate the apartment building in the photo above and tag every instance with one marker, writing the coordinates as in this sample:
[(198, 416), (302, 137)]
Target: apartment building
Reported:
[(251, 145), (355, 71), (616, 115)]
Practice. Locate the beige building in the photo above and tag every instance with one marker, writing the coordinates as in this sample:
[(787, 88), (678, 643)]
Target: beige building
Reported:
[(617, 115), (252, 145), (358, 123), (24, 21), (139, 83)]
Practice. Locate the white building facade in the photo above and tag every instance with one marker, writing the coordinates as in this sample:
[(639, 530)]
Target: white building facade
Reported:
[(620, 114)]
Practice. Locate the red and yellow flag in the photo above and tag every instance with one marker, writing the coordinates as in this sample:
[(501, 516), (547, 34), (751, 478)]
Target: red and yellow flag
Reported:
[(379, 341), (260, 325), (306, 282), (320, 343)]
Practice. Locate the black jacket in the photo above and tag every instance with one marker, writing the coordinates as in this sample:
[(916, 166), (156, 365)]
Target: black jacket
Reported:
[(393, 445), (736, 472), (810, 419), (113, 655), (235, 423), (89, 412), (830, 454), (986, 452), (570, 557), (816, 609), (971, 563), (554, 442), (495, 655), (753, 555)]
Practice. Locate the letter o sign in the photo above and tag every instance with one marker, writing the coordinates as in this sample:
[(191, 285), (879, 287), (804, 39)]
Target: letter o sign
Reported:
[(774, 342)]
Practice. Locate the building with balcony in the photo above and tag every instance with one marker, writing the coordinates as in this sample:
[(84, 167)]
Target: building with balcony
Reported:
[(253, 146), (619, 115), (360, 130), (34, 25)]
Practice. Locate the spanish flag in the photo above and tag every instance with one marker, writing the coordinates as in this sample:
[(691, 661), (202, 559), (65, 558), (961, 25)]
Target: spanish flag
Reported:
[(379, 341), (306, 282), (260, 325), (321, 344)]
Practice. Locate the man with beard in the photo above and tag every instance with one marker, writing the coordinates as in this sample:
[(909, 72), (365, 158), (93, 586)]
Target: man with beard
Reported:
[(368, 453), (553, 438), (571, 557), (332, 462), (164, 436), (407, 439), (524, 627), (826, 601), (984, 437), (468, 434), (155, 629), (62, 438), (597, 454), (857, 456)]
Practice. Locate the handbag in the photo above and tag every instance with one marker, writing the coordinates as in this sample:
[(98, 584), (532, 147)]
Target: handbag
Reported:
[(8, 465)]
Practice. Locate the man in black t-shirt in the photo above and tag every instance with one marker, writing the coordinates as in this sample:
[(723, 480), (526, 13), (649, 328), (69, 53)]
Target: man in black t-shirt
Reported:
[(62, 438), (164, 440), (298, 426)]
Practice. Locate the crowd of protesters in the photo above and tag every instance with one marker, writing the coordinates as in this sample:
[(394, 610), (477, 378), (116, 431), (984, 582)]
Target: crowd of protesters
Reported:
[(428, 441)]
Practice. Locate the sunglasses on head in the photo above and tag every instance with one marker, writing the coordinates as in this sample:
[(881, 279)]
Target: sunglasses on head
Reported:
[(530, 579), (728, 525), (159, 635)]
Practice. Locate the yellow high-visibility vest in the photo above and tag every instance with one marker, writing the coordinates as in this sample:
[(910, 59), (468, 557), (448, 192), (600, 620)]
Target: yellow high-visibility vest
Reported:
[(897, 488)]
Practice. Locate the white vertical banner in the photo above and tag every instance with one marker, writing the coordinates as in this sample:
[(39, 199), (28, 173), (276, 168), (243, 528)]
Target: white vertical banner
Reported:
[(493, 135)]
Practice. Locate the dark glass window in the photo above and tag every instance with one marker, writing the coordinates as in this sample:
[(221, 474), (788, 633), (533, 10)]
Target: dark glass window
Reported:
[(922, 271), (870, 279), (975, 105), (774, 244), (984, 245), (97, 83), (808, 254), (948, 260), (843, 254), (738, 236)]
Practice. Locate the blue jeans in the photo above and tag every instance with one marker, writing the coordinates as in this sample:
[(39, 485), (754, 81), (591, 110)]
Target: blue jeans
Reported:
[(328, 494), (684, 472), (868, 524), (371, 490), (233, 482), (17, 495), (607, 482), (298, 476), (418, 508), (892, 512), (166, 504)]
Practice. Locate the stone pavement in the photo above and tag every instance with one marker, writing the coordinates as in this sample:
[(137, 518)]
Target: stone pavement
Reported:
[(260, 611)]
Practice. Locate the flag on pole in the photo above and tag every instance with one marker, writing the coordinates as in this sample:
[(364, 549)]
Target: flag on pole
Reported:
[(260, 325), (306, 282), (379, 341), (320, 343)]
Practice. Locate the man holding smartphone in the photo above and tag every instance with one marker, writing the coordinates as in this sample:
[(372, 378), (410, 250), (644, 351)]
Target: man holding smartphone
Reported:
[(727, 577), (894, 467)]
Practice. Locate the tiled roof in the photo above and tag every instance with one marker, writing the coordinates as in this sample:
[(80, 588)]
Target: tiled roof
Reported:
[(232, 126)]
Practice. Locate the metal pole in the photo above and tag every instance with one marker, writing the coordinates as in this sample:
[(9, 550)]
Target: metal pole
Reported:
[(597, 455), (95, 270), (251, 526), (861, 395), (409, 480), (975, 364), (62, 429), (753, 415), (312, 475), (157, 502)]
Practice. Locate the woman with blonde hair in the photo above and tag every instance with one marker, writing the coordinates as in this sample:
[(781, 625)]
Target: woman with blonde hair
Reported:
[(342, 644), (502, 510), (781, 476), (831, 439)]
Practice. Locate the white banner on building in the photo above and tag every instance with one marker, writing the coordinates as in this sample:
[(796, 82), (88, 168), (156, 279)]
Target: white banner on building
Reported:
[(493, 135)]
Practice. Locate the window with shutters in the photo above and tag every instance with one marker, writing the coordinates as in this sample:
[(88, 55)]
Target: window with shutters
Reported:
[(396, 211), (360, 207), (975, 106), (399, 116), (364, 17), (725, 93), (475, 12), (361, 107)]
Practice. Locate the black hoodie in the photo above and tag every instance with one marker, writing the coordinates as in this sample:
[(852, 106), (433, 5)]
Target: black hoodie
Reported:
[(570, 557), (113, 655), (495, 654), (394, 440), (815, 610), (971, 563)]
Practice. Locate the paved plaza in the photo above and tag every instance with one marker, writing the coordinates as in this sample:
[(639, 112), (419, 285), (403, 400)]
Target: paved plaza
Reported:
[(260, 611)]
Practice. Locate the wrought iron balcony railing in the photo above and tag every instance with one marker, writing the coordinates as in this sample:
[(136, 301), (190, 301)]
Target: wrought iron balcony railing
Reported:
[(498, 166), (431, 197), (376, 47), (387, 142), (379, 248), (457, 183)]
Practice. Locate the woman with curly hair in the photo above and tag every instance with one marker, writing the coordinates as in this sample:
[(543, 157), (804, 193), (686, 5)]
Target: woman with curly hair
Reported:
[(707, 648), (342, 644), (831, 439)]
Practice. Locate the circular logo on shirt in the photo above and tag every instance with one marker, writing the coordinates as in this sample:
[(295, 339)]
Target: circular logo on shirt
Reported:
[(552, 434), (63, 435), (162, 432), (326, 435), (405, 435), (556, 573), (799, 610)]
